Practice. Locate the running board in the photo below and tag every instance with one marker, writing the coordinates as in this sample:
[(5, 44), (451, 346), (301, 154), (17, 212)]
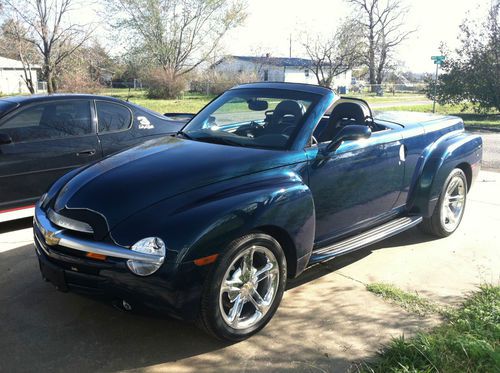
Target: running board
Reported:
[(364, 239)]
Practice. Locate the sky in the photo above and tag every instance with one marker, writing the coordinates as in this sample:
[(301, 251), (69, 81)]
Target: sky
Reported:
[(271, 22)]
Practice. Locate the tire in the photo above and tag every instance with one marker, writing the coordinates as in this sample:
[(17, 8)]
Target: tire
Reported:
[(445, 220), (221, 305)]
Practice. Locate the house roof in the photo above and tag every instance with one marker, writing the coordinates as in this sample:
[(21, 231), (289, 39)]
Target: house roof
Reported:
[(275, 61), (7, 63)]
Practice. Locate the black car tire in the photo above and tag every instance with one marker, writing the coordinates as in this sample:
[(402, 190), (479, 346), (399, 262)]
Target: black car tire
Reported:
[(434, 225), (211, 317)]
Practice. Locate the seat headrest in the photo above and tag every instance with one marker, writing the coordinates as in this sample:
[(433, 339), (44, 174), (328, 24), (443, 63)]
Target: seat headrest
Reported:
[(288, 107), (348, 110)]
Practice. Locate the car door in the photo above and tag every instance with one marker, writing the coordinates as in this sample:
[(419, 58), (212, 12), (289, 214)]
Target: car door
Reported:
[(356, 185), (114, 127), (47, 140), (121, 127)]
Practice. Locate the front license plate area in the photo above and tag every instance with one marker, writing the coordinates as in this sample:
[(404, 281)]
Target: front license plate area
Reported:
[(54, 275)]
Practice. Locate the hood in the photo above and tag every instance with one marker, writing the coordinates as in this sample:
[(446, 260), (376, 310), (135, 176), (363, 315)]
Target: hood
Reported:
[(120, 185)]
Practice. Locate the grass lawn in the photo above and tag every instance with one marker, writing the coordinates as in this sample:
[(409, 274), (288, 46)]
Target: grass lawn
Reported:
[(190, 103), (469, 116), (388, 97), (467, 341), (193, 102)]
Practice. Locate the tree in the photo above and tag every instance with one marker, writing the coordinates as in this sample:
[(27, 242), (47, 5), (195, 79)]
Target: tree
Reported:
[(383, 25), (84, 71), (472, 73), (334, 55), (13, 45), (176, 35), (48, 27)]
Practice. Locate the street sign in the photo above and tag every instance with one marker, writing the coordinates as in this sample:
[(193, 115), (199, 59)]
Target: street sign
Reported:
[(438, 60)]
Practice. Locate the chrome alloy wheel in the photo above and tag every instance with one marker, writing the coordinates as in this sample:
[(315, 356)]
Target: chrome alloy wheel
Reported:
[(453, 204), (249, 287)]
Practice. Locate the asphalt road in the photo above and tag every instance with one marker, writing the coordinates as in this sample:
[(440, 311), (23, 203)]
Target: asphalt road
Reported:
[(491, 152), (326, 322)]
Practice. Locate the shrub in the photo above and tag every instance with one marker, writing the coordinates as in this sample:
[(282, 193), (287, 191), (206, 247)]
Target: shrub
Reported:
[(161, 83), (78, 80), (215, 83)]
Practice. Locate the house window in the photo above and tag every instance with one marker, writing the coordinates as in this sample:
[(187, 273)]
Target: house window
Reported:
[(306, 71)]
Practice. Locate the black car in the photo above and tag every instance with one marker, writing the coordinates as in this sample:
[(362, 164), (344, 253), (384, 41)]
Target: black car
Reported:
[(43, 137)]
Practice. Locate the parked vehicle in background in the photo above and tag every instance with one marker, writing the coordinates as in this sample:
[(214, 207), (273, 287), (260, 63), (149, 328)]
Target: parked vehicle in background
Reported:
[(266, 180), (43, 137)]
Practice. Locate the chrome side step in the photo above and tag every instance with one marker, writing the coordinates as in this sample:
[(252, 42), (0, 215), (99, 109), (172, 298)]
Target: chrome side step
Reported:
[(374, 235)]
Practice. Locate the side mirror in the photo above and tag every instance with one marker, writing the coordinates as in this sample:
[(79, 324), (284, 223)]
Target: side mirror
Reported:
[(5, 139), (349, 132)]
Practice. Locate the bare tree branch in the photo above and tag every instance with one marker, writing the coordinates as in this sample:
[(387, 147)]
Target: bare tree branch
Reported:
[(177, 35), (384, 28), (50, 30), (334, 55)]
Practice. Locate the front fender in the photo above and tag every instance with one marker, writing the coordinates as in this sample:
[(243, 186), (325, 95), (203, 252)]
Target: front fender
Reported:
[(202, 222), (456, 149)]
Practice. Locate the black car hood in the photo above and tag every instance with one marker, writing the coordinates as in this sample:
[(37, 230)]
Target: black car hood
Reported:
[(119, 186)]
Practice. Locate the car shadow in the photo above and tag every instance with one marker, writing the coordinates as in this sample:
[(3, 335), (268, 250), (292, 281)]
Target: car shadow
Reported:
[(410, 237), (46, 330)]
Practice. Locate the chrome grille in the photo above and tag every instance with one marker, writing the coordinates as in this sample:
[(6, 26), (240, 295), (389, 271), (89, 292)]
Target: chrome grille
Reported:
[(68, 223)]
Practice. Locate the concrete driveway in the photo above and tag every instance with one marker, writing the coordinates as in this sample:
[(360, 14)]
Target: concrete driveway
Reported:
[(327, 320)]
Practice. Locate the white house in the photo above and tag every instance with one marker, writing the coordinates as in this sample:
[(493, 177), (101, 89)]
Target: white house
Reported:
[(11, 76), (276, 69)]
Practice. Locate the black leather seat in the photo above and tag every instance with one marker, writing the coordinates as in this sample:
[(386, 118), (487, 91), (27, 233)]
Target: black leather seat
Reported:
[(287, 114), (341, 115)]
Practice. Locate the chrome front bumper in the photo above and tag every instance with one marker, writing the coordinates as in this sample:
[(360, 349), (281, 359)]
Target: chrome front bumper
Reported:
[(56, 236)]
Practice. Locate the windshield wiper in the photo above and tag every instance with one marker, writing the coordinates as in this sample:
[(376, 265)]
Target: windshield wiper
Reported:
[(218, 140)]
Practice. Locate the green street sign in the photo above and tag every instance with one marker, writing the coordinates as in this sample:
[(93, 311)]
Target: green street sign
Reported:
[(438, 58)]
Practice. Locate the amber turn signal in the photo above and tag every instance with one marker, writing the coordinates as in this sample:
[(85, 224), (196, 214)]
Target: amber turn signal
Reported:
[(96, 256), (206, 260)]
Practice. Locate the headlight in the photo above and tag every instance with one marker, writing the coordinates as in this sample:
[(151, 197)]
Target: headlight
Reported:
[(150, 245)]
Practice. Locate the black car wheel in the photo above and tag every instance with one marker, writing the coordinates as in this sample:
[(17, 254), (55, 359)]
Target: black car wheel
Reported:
[(245, 288), (450, 208)]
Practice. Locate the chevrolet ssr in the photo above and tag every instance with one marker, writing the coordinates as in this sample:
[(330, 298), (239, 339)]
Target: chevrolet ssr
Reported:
[(266, 180)]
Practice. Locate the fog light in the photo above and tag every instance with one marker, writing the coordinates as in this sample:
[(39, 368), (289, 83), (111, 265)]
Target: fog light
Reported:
[(150, 245)]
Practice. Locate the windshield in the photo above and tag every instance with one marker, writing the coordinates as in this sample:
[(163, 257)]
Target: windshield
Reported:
[(260, 118)]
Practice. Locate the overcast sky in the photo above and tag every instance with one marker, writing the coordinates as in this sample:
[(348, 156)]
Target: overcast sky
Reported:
[(270, 23)]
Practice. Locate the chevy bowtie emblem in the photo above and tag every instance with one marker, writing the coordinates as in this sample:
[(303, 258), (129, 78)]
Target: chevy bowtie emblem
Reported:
[(51, 239)]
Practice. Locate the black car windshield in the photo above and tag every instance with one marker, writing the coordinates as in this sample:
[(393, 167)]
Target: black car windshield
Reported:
[(258, 118)]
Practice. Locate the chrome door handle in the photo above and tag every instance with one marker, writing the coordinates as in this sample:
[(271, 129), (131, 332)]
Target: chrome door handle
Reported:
[(86, 153)]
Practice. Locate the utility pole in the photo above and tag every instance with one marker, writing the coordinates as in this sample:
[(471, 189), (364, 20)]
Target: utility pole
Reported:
[(438, 60)]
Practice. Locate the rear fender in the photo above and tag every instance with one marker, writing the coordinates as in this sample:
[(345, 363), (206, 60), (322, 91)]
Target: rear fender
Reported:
[(436, 163)]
